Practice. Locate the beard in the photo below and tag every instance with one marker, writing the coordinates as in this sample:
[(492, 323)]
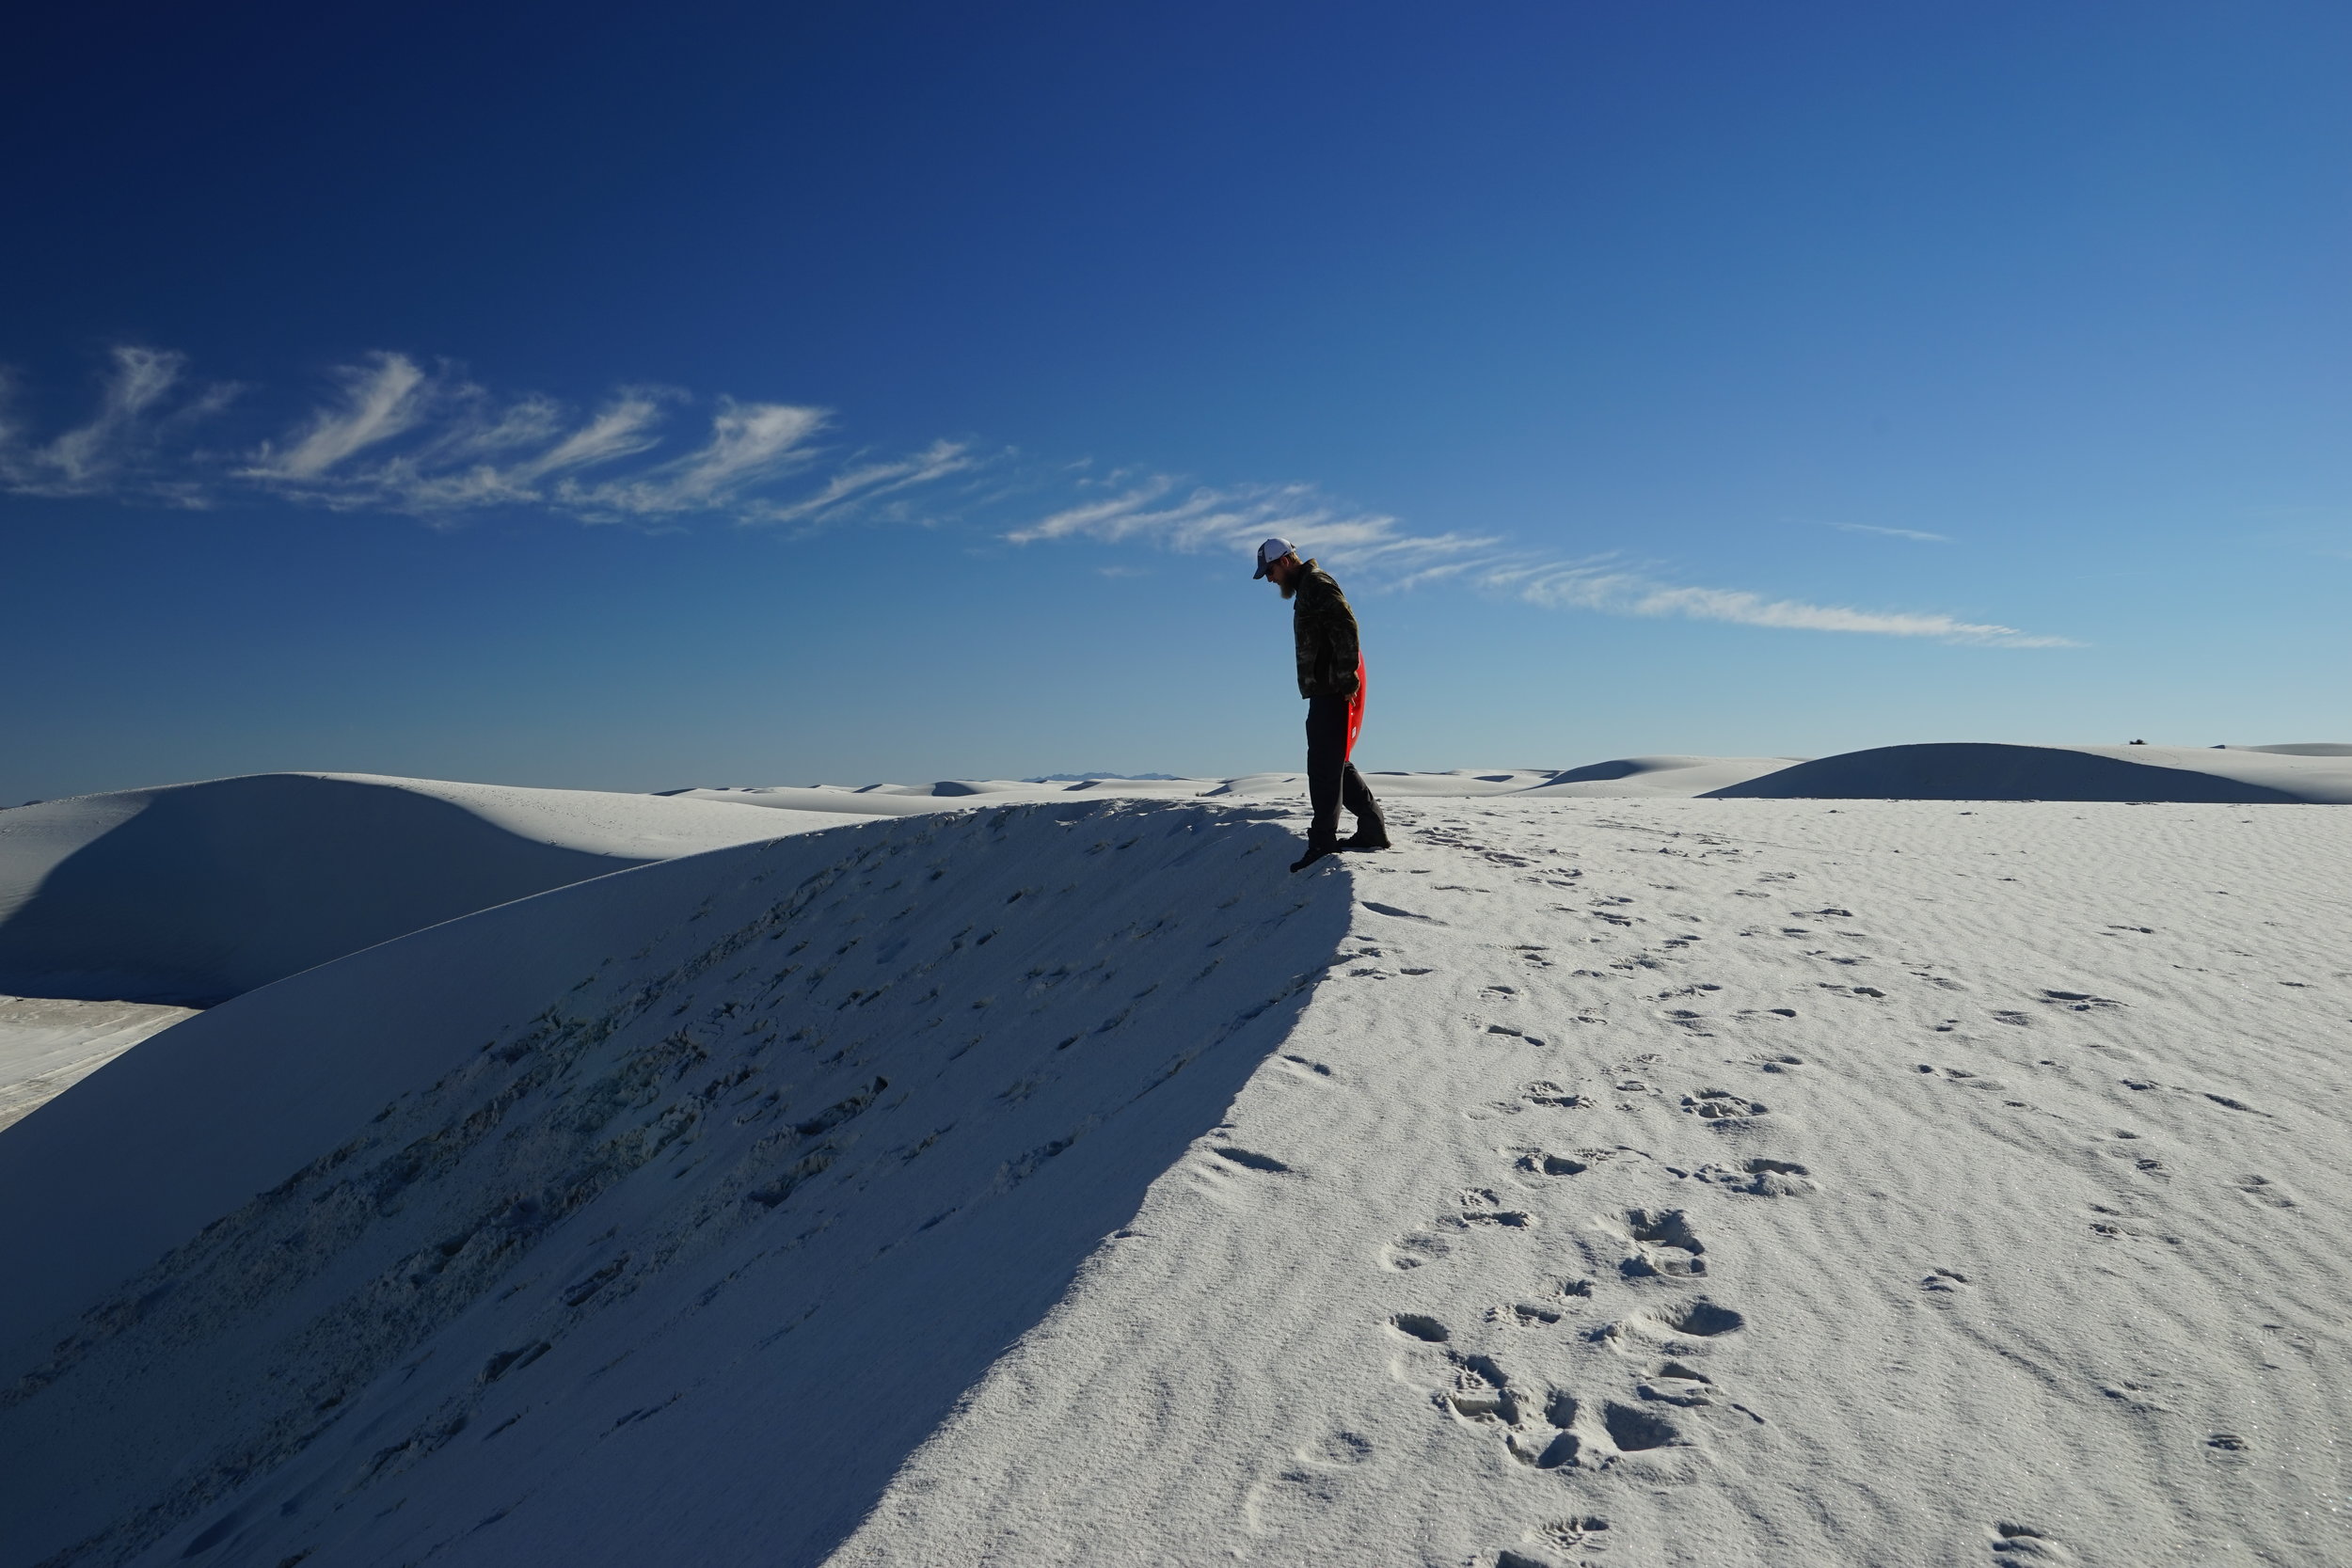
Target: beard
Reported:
[(1290, 589)]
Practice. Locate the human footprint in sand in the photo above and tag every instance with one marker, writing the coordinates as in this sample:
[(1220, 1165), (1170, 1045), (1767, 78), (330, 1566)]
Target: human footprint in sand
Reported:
[(1331, 678)]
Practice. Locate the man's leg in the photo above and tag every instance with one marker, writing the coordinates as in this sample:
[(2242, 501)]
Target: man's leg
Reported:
[(1327, 767), (1372, 830)]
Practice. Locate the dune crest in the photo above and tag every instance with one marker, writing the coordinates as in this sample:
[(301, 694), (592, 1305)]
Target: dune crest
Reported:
[(1980, 770), (190, 894)]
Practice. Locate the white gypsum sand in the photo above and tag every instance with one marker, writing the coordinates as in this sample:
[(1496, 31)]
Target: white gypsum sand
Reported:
[(47, 1045), (2312, 773), (1894, 1183), (1716, 1181), (1624, 776)]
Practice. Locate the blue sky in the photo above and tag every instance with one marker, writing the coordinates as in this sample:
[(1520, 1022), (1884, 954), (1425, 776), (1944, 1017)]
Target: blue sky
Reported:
[(632, 397)]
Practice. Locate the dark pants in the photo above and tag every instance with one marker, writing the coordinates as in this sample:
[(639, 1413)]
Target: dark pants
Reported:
[(1330, 777)]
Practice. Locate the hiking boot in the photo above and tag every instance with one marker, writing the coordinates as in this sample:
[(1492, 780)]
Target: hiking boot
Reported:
[(1314, 852), (1365, 838)]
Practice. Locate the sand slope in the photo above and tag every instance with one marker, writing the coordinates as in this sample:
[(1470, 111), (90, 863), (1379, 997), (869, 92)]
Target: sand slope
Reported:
[(193, 893), (1655, 776), (1735, 1182), (47, 1045), (1709, 1181), (858, 1105), (1985, 771)]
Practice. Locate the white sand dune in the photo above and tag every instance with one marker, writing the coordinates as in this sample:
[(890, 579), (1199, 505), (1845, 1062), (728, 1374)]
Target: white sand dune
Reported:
[(48, 1044), (1715, 1182), (1459, 784), (821, 798), (193, 893), (2313, 773), (1661, 776), (1621, 777), (2310, 772), (986, 975), (888, 799)]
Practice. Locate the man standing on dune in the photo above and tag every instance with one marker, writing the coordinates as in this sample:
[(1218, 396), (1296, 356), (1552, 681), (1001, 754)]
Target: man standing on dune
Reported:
[(1331, 678)]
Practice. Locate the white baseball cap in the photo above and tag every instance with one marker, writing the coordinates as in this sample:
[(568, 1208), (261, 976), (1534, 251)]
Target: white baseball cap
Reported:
[(1268, 553)]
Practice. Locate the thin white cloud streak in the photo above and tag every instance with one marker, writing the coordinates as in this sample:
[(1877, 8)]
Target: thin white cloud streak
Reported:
[(1614, 591), (1894, 532), (862, 486), (623, 429), (1236, 520), (397, 437), (750, 444), (479, 455), (475, 454), (426, 444), (142, 378), (118, 450), (381, 400)]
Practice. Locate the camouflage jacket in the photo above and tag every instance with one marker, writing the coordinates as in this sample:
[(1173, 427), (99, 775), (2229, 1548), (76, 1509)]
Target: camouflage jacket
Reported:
[(1326, 631)]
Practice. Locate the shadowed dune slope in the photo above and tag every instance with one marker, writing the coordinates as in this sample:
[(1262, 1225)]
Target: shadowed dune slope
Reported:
[(194, 892), (667, 1212), (1971, 770), (1673, 775)]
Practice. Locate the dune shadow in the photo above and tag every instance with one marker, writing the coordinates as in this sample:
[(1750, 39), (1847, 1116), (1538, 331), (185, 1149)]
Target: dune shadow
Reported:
[(213, 889), (1984, 771), (962, 1308), (732, 1225)]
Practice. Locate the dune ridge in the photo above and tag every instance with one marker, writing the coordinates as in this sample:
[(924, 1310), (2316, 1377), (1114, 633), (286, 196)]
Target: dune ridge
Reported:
[(1980, 770), (865, 1098), (48, 1044), (190, 894)]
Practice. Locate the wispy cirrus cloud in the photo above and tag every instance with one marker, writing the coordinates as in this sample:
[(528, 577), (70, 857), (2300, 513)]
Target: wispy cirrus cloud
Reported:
[(397, 435), (144, 401), (1160, 511), (868, 482), (1154, 510), (750, 445), (394, 434), (382, 399), (402, 438), (1613, 590), (1893, 533)]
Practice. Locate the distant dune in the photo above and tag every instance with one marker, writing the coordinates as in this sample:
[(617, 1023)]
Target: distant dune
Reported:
[(193, 893), (1621, 777), (1659, 776), (2313, 773), (2310, 772)]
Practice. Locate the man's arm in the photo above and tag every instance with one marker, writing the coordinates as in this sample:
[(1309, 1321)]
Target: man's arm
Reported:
[(1340, 646), (1335, 639)]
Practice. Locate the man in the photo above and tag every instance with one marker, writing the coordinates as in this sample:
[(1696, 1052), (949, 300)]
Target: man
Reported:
[(1331, 678)]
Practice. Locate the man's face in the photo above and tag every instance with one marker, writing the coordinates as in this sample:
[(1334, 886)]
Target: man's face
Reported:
[(1284, 573)]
